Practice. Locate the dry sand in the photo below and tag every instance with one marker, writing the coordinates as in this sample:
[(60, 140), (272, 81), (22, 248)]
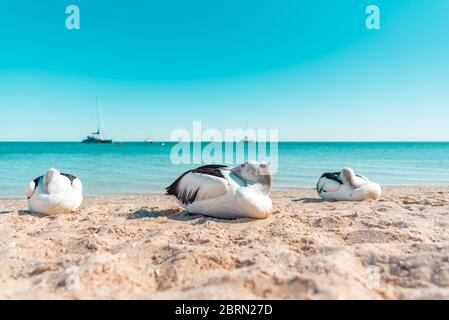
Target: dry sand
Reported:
[(146, 247)]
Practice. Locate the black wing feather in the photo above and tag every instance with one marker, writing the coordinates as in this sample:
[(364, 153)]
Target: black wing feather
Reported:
[(188, 197), (71, 177), (36, 181), (331, 176)]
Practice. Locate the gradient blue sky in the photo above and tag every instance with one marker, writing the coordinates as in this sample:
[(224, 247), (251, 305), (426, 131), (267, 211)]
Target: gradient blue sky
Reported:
[(309, 68)]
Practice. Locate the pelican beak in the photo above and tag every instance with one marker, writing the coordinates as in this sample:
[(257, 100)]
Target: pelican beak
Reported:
[(237, 171)]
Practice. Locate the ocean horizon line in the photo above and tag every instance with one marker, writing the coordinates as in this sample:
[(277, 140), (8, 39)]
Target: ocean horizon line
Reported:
[(226, 141)]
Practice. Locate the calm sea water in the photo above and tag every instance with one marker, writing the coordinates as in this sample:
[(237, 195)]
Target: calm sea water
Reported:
[(122, 168)]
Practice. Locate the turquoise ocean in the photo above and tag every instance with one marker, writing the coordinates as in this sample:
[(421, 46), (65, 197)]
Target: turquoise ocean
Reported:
[(128, 168)]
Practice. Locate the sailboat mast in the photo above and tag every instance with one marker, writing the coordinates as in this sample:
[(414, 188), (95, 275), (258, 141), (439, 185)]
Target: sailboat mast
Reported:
[(98, 117), (97, 137)]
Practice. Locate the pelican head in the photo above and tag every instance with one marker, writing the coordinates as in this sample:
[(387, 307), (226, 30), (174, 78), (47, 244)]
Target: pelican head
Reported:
[(49, 176), (348, 176), (254, 172)]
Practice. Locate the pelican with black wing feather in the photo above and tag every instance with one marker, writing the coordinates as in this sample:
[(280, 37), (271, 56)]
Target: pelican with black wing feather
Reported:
[(223, 192), (347, 186), (54, 193)]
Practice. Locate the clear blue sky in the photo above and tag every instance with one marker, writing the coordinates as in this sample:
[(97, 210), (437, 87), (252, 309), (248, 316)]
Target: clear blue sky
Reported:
[(309, 68)]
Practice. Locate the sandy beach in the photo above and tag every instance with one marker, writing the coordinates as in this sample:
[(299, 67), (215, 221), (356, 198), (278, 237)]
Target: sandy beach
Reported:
[(146, 247)]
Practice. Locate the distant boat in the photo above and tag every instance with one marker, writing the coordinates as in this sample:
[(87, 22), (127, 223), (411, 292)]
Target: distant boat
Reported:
[(247, 140), (97, 137), (150, 140)]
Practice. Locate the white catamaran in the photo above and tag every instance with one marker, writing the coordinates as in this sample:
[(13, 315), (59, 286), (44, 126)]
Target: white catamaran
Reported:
[(246, 139), (150, 139), (97, 137)]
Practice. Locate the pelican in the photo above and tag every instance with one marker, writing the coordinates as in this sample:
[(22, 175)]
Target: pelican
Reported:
[(223, 192), (347, 186), (54, 193)]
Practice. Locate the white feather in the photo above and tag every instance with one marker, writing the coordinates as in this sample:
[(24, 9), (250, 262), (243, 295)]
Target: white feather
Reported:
[(328, 185), (30, 189), (208, 186), (77, 185)]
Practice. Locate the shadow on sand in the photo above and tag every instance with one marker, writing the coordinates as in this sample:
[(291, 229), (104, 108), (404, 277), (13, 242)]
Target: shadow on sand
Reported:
[(174, 214), (308, 200), (34, 214)]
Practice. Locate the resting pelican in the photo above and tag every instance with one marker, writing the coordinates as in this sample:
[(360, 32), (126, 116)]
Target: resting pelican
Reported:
[(347, 186), (223, 192), (55, 193)]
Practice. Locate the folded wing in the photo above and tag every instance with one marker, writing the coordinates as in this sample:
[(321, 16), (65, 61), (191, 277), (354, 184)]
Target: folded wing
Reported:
[(203, 183)]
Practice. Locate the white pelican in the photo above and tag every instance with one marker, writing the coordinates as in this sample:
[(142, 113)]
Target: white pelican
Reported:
[(223, 192), (55, 193), (347, 186)]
